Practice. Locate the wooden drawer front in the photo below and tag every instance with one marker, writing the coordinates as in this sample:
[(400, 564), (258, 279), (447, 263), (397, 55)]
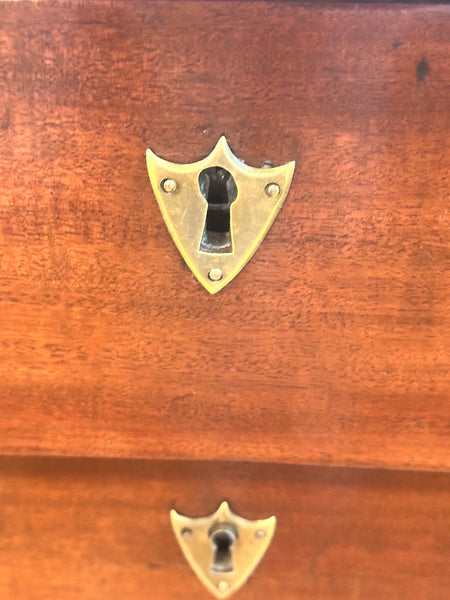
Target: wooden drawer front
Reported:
[(90, 529), (332, 345)]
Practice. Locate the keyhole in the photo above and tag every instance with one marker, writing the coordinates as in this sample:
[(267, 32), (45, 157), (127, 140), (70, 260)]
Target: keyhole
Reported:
[(223, 537), (219, 190)]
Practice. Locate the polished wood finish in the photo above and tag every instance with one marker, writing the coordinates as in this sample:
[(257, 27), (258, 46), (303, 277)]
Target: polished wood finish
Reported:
[(90, 529), (332, 346)]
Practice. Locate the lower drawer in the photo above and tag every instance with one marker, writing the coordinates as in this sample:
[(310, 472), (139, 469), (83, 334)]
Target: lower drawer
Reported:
[(90, 529)]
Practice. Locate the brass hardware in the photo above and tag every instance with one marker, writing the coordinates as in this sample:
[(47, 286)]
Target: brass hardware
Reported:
[(223, 549), (272, 190), (169, 186), (215, 274), (218, 210)]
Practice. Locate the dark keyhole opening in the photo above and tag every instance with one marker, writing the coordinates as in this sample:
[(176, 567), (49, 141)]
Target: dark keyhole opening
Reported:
[(219, 190), (222, 540)]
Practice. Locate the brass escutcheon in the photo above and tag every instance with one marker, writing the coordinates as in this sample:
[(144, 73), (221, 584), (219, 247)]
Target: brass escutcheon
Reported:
[(218, 210), (223, 549)]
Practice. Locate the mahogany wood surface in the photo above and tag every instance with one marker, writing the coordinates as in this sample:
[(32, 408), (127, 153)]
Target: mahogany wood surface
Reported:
[(95, 528), (332, 346)]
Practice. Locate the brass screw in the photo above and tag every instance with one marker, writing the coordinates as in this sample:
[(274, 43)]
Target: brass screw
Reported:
[(169, 186), (272, 190), (223, 586), (186, 532), (267, 164), (215, 274)]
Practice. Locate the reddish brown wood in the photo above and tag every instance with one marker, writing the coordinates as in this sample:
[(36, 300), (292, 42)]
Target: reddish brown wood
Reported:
[(332, 345), (95, 529)]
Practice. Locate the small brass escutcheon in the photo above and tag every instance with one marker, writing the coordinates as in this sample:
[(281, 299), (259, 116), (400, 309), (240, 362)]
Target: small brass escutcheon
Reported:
[(218, 210), (223, 549)]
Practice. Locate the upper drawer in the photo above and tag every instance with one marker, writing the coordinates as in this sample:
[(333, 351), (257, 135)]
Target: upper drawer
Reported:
[(331, 346)]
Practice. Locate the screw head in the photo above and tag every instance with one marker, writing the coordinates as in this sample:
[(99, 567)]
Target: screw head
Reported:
[(186, 532), (260, 534), (272, 190), (215, 274), (223, 586), (267, 164), (169, 185)]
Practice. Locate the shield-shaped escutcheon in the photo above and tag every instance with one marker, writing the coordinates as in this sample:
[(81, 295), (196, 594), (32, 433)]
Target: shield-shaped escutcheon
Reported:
[(223, 549), (218, 210)]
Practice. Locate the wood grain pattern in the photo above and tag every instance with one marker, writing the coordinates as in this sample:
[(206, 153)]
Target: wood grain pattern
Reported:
[(91, 528), (332, 346)]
